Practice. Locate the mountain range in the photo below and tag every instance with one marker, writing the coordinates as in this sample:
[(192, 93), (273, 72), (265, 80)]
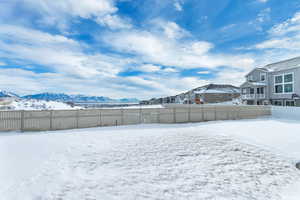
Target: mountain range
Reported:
[(7, 94), (62, 97)]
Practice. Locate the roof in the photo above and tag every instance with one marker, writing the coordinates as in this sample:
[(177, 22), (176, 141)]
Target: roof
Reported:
[(284, 65), (279, 66), (251, 84), (258, 68), (214, 88)]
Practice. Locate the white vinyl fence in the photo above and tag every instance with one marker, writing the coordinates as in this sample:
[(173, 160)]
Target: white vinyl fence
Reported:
[(72, 119), (286, 112)]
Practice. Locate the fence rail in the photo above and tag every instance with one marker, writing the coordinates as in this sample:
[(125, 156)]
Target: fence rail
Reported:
[(72, 119)]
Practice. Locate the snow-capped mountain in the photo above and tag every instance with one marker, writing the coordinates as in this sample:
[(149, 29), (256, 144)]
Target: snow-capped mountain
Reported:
[(47, 101), (61, 97), (4, 93)]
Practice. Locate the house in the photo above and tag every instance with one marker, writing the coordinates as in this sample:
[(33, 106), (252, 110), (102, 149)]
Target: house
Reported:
[(276, 84), (211, 93), (214, 93)]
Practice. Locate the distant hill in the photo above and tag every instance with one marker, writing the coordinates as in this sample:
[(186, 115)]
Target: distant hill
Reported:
[(61, 97), (7, 94)]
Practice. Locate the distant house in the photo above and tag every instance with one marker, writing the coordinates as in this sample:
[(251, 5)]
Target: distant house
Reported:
[(212, 93), (277, 84)]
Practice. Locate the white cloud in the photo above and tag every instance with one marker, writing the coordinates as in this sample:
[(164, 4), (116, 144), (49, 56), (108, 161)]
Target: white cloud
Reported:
[(73, 71), (84, 9), (61, 13), (172, 30), (291, 25), (113, 22), (149, 68), (2, 63), (283, 42), (263, 15), (143, 87), (263, 1), (285, 35), (159, 88), (55, 52), (230, 76), (161, 50), (204, 72), (178, 5), (170, 70)]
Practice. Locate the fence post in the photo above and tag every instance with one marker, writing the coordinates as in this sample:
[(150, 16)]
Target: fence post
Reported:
[(122, 116), (174, 115), (77, 118), (189, 113), (238, 113), (22, 120), (140, 115), (202, 112), (158, 115), (100, 120), (215, 110), (227, 113), (51, 119)]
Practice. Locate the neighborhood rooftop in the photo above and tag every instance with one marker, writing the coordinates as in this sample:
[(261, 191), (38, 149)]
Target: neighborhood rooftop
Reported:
[(279, 66), (283, 65), (276, 84)]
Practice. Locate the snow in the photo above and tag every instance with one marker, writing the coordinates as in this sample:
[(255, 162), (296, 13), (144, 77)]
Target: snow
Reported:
[(136, 106), (31, 104), (246, 159), (217, 91)]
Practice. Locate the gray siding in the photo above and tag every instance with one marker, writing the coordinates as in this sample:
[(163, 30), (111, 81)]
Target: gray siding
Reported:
[(256, 74), (296, 77)]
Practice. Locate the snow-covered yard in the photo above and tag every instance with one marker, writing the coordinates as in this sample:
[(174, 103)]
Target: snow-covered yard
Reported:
[(247, 159)]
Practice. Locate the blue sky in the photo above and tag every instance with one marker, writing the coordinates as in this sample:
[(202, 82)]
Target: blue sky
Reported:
[(140, 48)]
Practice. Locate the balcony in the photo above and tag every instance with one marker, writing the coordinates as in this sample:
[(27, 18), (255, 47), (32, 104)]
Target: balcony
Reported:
[(253, 96)]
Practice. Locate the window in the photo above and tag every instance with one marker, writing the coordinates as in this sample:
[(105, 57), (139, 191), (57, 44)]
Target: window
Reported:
[(250, 78), (284, 83), (278, 79), (244, 91), (289, 103), (251, 90), (288, 88), (288, 78), (263, 77), (278, 89), (277, 103), (260, 90)]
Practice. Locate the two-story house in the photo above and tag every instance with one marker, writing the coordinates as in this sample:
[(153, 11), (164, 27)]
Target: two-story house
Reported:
[(276, 84)]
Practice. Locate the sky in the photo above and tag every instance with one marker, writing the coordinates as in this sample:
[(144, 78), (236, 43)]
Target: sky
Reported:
[(140, 48)]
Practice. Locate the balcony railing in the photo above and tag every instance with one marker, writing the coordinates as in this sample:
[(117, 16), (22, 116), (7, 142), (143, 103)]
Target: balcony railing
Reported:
[(253, 96)]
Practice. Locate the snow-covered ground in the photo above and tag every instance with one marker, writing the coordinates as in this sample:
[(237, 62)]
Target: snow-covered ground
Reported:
[(246, 159), (32, 104), (136, 106)]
